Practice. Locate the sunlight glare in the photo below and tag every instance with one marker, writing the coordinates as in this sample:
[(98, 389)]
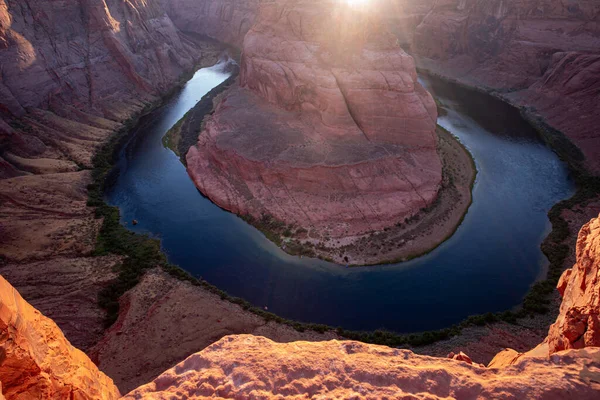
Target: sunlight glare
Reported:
[(357, 3)]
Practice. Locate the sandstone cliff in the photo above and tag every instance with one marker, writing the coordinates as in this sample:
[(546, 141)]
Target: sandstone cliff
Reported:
[(72, 73), (330, 132), (542, 54), (38, 362), (225, 20), (253, 367)]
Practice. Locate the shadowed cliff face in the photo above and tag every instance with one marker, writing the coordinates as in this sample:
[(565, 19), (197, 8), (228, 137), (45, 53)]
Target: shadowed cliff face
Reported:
[(330, 129), (88, 65), (542, 54), (225, 20)]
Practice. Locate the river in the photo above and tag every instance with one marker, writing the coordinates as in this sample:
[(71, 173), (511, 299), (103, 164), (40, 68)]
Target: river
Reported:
[(487, 265)]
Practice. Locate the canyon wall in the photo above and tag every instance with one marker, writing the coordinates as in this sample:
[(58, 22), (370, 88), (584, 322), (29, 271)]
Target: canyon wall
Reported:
[(540, 54), (578, 324), (72, 73), (330, 132), (225, 20)]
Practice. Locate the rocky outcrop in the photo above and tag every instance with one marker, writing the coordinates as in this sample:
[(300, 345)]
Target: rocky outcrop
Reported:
[(173, 319), (578, 324), (253, 367), (37, 361), (225, 20), (544, 55), (330, 132)]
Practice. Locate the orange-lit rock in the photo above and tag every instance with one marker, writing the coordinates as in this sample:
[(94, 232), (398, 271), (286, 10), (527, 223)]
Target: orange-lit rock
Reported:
[(38, 362), (578, 324), (249, 367)]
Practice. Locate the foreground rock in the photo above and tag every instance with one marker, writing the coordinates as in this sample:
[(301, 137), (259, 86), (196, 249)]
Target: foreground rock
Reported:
[(174, 319), (331, 133), (38, 362), (253, 367), (578, 324)]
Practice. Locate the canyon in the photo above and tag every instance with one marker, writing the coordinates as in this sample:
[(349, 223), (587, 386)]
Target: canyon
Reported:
[(39, 362), (331, 135), (73, 73)]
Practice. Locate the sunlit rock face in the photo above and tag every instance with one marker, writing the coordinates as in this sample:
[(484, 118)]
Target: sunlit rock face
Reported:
[(247, 366), (578, 324), (329, 128), (541, 54), (37, 361)]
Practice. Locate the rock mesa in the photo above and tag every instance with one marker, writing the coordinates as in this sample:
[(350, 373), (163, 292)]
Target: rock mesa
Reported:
[(329, 128)]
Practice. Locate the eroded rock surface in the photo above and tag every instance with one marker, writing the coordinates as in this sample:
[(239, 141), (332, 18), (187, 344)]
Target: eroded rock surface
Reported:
[(329, 129), (225, 20), (38, 362), (578, 324), (542, 54), (252, 367)]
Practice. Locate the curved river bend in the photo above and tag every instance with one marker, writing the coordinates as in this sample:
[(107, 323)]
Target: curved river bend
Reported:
[(488, 265)]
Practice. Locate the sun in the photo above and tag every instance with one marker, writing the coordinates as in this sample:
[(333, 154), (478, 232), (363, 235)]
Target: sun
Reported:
[(357, 3)]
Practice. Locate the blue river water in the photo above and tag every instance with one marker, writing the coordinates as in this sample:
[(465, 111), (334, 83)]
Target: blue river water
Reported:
[(487, 265)]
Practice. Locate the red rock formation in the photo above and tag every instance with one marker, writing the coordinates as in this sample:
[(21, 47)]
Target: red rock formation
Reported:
[(330, 131), (253, 367), (72, 73), (37, 361), (542, 54), (93, 64), (578, 324), (225, 20)]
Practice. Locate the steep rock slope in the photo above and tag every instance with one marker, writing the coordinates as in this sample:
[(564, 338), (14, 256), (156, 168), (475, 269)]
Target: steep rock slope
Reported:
[(330, 132), (225, 20), (578, 324), (542, 54), (38, 362), (72, 73)]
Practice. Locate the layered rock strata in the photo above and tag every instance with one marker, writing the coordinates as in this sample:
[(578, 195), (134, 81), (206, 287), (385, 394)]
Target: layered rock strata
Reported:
[(329, 132), (225, 20), (72, 74), (544, 55)]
